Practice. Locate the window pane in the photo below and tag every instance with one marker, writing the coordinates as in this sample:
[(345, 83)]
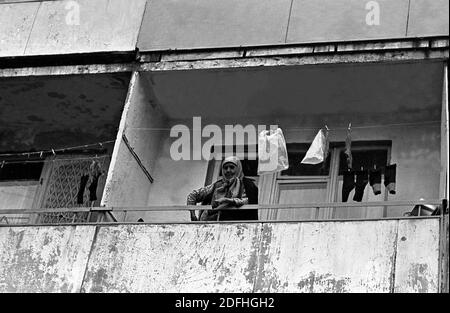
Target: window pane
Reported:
[(21, 171), (367, 159), (296, 168), (250, 167)]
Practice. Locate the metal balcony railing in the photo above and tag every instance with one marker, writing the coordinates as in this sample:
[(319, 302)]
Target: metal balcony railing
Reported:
[(83, 215)]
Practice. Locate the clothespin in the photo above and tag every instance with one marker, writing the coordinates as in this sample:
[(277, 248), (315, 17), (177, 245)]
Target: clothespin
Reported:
[(101, 144), (3, 164), (326, 127), (53, 151), (40, 154)]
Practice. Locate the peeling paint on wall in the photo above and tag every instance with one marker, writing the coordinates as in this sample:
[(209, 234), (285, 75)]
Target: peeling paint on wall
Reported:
[(319, 257), (417, 268), (173, 258), (43, 259)]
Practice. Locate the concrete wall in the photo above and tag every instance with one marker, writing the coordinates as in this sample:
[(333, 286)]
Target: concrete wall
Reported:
[(127, 184), (44, 259), (62, 27), (53, 27), (369, 256), (186, 24), (17, 195)]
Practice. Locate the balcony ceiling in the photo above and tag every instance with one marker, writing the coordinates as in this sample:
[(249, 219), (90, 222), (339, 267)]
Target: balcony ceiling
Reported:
[(368, 89), (59, 111)]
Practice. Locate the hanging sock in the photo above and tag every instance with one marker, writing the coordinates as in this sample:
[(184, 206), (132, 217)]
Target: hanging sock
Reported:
[(348, 184), (348, 148), (95, 171), (318, 151), (389, 178), (362, 178), (83, 182), (93, 187), (375, 181)]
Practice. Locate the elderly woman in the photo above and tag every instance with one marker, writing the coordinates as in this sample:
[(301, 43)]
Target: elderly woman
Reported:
[(231, 192)]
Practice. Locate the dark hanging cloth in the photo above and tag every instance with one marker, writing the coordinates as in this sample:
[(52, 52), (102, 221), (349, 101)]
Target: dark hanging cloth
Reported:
[(93, 187), (362, 178), (389, 178), (348, 184), (83, 181), (375, 181)]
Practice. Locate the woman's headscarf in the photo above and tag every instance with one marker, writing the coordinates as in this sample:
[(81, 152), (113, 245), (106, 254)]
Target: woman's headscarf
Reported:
[(232, 187), (235, 160)]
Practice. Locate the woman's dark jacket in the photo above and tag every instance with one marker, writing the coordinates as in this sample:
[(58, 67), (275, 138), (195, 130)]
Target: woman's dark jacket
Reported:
[(240, 214)]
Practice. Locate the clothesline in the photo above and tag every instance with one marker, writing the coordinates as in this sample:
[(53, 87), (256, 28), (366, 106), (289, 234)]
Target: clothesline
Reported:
[(54, 160), (286, 129), (53, 151)]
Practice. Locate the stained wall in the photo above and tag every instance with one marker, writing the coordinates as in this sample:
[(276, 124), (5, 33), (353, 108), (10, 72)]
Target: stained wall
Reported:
[(366, 256)]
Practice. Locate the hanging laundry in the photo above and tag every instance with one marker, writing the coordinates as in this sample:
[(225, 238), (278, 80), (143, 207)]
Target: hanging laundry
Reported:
[(93, 187), (318, 151), (362, 178), (95, 172), (83, 182), (348, 148), (375, 181), (272, 152), (348, 184), (389, 177)]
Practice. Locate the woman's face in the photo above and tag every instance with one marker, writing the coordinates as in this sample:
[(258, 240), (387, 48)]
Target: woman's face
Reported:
[(229, 170)]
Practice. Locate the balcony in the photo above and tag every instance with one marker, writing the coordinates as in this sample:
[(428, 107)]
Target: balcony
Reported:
[(404, 254)]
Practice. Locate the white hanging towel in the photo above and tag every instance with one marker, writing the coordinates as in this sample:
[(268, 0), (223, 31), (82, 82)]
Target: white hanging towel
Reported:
[(272, 152), (318, 151)]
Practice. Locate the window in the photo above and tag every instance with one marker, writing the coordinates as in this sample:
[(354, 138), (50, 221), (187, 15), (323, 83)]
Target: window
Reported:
[(16, 171), (296, 153), (364, 159), (304, 183)]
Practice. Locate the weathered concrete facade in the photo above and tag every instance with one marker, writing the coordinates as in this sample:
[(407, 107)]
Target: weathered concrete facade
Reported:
[(294, 97), (365, 256), (189, 24), (295, 63), (69, 27)]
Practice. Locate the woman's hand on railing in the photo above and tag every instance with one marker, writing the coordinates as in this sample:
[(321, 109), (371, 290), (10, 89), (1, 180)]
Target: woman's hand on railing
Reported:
[(193, 217), (224, 201)]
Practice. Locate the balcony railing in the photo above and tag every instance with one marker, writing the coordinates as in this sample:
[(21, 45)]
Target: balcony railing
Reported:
[(89, 215)]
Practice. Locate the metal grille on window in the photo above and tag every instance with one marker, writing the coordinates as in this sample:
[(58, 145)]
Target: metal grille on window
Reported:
[(62, 190)]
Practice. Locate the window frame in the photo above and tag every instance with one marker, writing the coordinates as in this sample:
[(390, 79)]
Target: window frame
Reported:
[(273, 183)]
